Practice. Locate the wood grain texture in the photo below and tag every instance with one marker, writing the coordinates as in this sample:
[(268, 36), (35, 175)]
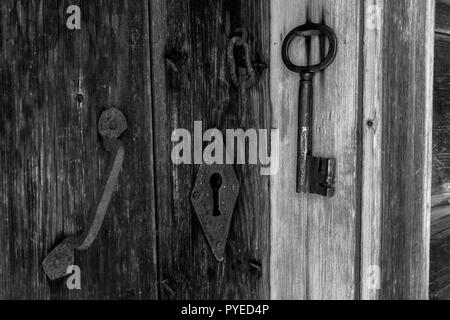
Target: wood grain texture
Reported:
[(371, 152), (61, 81), (191, 82), (27, 164), (441, 110), (163, 63), (442, 12), (315, 240), (440, 226), (405, 117), (441, 194), (440, 258), (112, 59)]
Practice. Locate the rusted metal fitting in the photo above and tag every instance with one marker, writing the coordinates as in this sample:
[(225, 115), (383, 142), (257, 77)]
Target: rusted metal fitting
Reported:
[(241, 76), (112, 125)]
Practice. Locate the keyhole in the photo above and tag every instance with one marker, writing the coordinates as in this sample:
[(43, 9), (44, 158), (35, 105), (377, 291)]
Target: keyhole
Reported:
[(216, 183)]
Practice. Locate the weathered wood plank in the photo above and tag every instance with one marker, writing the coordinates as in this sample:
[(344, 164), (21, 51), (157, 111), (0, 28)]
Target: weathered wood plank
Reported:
[(441, 121), (442, 14), (404, 116), (315, 240), (371, 153), (27, 165), (55, 84), (107, 63), (440, 227), (191, 82), (440, 258)]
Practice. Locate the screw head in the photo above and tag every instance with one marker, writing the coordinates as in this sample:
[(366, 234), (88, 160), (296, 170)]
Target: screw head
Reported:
[(113, 125)]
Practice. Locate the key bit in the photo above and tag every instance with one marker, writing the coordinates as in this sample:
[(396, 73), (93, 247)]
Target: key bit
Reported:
[(112, 125), (321, 177)]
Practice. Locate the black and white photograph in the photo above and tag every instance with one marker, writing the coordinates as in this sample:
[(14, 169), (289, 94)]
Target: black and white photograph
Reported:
[(224, 155)]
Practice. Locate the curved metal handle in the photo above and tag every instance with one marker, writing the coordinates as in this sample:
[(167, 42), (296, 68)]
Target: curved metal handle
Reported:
[(112, 125), (305, 30)]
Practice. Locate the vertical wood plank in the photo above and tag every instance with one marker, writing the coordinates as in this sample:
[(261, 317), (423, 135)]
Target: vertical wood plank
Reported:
[(440, 259), (55, 82), (27, 128), (314, 250), (371, 158), (439, 255), (109, 61), (191, 82), (441, 121), (404, 113)]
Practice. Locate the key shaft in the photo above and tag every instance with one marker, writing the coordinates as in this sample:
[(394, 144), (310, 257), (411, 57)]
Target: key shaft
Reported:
[(304, 143)]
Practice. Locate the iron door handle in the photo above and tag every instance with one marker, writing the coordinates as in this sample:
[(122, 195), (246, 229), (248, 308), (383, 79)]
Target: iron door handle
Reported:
[(112, 125)]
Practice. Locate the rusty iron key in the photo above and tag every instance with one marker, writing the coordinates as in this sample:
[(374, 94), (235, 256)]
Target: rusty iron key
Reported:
[(315, 175), (112, 125)]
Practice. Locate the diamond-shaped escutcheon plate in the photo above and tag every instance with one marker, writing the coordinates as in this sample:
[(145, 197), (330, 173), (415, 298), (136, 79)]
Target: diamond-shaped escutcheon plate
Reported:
[(214, 197)]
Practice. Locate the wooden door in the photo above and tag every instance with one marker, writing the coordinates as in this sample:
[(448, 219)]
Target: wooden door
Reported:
[(192, 83), (372, 240), (164, 64), (55, 83)]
